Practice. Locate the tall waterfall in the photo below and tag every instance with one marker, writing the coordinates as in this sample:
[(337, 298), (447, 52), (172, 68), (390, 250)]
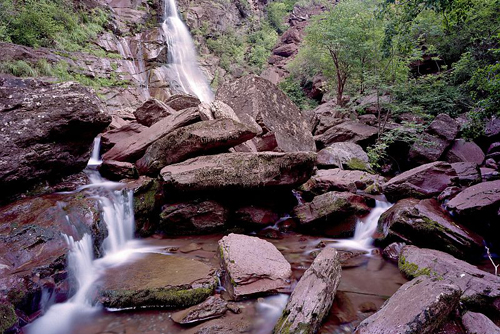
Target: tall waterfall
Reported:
[(184, 71)]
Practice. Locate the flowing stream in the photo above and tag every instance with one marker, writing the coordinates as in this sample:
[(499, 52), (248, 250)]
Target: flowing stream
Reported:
[(184, 72)]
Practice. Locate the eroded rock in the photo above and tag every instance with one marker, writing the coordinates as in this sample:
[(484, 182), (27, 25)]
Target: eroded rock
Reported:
[(213, 307)]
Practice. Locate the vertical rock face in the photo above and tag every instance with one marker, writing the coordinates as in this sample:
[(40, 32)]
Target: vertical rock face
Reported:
[(253, 266), (47, 131), (419, 306), (272, 109), (313, 296)]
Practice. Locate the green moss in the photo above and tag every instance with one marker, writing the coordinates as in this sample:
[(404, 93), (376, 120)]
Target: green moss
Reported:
[(411, 269), (8, 317), (358, 164)]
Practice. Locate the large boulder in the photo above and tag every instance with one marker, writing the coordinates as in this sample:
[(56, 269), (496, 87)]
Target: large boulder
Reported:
[(330, 206), (340, 180), (256, 99), (152, 111), (350, 131), (47, 131), (195, 217), (480, 290), (313, 296), (252, 266), (482, 198), (147, 202), (425, 224), (465, 151), (157, 280), (419, 306), (468, 173), (196, 139), (478, 323), (424, 181), (240, 171), (180, 102), (118, 170), (343, 155), (112, 137), (444, 127), (327, 115), (133, 147)]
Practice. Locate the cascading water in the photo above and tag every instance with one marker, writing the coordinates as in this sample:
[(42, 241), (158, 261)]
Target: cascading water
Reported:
[(184, 71)]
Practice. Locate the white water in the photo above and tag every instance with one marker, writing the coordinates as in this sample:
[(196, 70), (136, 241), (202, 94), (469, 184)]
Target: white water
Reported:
[(365, 228), (95, 159), (184, 71)]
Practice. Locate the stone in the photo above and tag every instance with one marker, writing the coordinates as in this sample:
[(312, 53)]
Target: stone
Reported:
[(444, 127), (133, 147), (240, 171), (489, 174), (392, 251), (152, 111), (195, 217), (221, 110), (252, 266), (254, 216), (147, 200), (350, 131), (478, 323), (157, 280), (329, 206), (47, 131), (213, 307), (340, 180), (196, 139), (429, 149), (8, 317), (467, 172), (205, 112), (118, 170), (449, 193), (311, 300), (419, 306), (112, 137), (343, 155), (327, 115), (264, 102), (425, 224), (180, 102), (480, 290), (424, 181), (464, 151), (481, 198)]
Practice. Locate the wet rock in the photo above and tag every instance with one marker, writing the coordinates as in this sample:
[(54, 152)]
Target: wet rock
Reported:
[(112, 137), (180, 102), (152, 111), (392, 251), (252, 266), (478, 323), (205, 112), (343, 155), (8, 317), (368, 307), (467, 172), (312, 298), (47, 131), (350, 131), (489, 174), (133, 147), (196, 217), (340, 180), (157, 280), (480, 290), (464, 151), (419, 306), (343, 309), (253, 216), (200, 138), (424, 181), (330, 205), (213, 307), (425, 224), (118, 170), (240, 171), (264, 102), (482, 198), (449, 193), (147, 199)]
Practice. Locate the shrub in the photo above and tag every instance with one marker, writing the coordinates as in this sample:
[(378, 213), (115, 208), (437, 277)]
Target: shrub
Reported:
[(291, 87)]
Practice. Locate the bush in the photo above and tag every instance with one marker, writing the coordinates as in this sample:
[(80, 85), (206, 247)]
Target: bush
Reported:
[(292, 88), (18, 68)]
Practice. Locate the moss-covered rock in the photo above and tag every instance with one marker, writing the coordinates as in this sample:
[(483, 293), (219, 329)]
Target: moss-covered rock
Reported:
[(8, 317), (157, 280)]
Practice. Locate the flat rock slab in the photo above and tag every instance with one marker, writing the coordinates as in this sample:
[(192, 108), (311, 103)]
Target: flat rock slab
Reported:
[(157, 280), (419, 306), (240, 171), (313, 296), (253, 266), (480, 289), (424, 181), (425, 224), (478, 323), (478, 198)]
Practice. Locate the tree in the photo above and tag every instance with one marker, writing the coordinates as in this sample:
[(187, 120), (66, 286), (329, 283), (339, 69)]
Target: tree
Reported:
[(344, 43)]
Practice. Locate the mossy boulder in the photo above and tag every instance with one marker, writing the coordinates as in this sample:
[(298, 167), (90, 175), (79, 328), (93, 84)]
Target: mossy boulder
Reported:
[(8, 317), (157, 280)]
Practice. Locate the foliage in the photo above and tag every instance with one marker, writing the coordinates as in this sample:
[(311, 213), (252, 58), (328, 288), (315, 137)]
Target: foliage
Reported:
[(291, 87), (49, 23)]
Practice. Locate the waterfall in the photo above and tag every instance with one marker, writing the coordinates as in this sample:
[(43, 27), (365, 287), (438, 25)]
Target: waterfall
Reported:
[(184, 71)]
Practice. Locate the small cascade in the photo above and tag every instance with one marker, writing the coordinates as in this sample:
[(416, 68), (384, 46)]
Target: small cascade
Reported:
[(95, 158), (184, 71)]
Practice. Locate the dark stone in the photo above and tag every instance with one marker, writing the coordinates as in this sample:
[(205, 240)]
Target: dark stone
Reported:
[(181, 102), (254, 216), (478, 323), (118, 170), (152, 111), (467, 172), (213, 307), (392, 251), (112, 137), (464, 151)]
